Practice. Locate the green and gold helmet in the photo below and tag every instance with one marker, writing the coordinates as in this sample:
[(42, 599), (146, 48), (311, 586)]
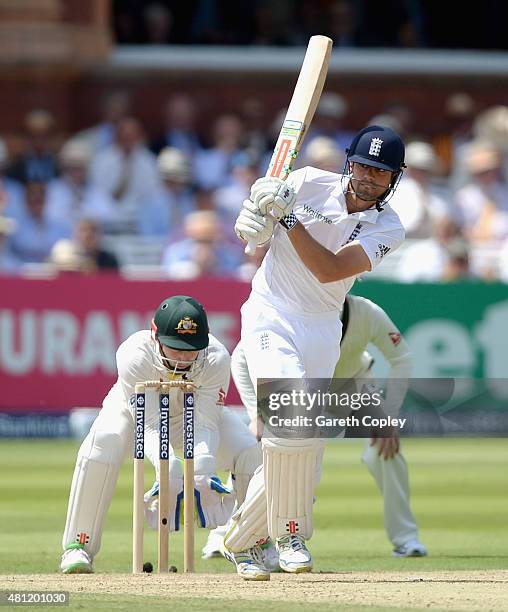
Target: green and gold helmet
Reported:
[(181, 323)]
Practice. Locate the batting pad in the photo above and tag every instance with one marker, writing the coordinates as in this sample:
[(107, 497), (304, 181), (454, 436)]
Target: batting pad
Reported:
[(93, 484), (290, 479), (248, 526)]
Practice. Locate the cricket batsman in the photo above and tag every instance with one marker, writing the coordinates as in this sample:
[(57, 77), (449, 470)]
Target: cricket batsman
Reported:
[(178, 347), (363, 323), (325, 230)]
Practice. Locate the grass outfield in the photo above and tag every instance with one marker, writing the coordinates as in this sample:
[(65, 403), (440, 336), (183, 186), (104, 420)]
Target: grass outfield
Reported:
[(459, 496)]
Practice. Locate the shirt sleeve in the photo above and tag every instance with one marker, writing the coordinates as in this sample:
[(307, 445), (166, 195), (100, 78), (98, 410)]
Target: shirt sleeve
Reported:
[(378, 245), (388, 339)]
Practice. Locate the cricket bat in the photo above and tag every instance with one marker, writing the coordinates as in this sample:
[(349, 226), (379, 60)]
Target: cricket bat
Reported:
[(300, 111)]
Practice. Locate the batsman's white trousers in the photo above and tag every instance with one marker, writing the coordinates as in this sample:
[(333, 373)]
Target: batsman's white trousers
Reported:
[(280, 344), (110, 440)]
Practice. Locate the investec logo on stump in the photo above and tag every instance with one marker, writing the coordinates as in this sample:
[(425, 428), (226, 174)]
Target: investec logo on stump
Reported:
[(188, 450), (140, 426), (164, 427)]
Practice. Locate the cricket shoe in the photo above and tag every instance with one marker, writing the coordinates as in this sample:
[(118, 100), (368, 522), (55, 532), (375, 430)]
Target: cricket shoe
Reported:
[(270, 556), (249, 563), (293, 554), (76, 560), (413, 548), (213, 547)]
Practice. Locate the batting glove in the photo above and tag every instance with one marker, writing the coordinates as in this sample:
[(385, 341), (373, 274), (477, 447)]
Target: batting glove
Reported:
[(273, 196), (251, 225)]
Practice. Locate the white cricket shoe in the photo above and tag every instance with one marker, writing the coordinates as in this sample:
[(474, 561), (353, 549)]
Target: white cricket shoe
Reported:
[(270, 556), (413, 548), (249, 563), (76, 560), (293, 554), (213, 546)]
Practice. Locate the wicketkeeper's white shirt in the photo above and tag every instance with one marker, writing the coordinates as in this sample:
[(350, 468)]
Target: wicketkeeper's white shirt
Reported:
[(321, 208)]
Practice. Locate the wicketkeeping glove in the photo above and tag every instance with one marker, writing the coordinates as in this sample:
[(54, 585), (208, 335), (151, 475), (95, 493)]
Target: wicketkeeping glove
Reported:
[(214, 501)]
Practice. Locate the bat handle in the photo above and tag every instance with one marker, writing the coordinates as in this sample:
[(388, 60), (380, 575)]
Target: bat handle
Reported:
[(250, 249)]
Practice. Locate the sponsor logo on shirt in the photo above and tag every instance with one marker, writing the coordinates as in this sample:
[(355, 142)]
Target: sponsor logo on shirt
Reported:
[(354, 233), (316, 214), (394, 337), (382, 251), (221, 400)]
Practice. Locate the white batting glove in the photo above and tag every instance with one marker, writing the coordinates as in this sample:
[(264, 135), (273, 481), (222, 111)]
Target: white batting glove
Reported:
[(251, 225), (273, 196)]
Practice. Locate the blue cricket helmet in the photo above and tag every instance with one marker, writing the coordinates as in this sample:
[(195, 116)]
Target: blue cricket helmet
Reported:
[(379, 147)]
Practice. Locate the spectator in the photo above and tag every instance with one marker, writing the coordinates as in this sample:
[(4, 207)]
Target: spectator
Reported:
[(115, 106), (71, 196), (429, 260), (457, 263), (329, 121), (459, 111), (227, 200), (65, 256), (323, 153), (164, 213), (484, 200), (213, 166), (418, 201), (11, 191), (38, 163), (203, 252), (9, 263), (35, 233), (180, 131), (88, 241), (127, 172), (158, 21), (343, 23)]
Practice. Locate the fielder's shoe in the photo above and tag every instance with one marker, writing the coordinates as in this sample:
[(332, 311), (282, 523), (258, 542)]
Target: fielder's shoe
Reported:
[(213, 546), (413, 548), (270, 556), (249, 563), (293, 554), (76, 560)]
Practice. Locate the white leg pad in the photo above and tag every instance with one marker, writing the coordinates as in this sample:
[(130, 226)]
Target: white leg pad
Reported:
[(248, 525), (93, 484), (290, 469)]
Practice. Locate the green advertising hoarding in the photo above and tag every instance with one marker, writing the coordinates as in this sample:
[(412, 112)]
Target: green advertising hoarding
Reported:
[(453, 329)]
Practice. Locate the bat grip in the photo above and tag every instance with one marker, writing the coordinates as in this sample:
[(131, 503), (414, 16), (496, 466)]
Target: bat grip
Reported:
[(250, 249)]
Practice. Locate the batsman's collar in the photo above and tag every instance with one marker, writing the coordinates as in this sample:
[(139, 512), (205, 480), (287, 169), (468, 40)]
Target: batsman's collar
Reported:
[(181, 323)]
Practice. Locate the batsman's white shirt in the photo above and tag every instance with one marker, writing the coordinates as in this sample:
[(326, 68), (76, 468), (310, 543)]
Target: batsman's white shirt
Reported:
[(321, 208), (291, 322)]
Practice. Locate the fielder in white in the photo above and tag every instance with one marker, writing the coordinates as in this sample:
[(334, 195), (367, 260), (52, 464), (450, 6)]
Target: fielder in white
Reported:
[(329, 229), (363, 323), (178, 346)]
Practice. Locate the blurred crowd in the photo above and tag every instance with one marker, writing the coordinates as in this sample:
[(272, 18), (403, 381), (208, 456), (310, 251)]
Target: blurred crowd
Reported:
[(350, 23), (67, 206)]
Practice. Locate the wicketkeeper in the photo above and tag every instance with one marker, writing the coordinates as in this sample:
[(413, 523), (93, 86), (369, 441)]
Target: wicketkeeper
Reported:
[(178, 346)]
